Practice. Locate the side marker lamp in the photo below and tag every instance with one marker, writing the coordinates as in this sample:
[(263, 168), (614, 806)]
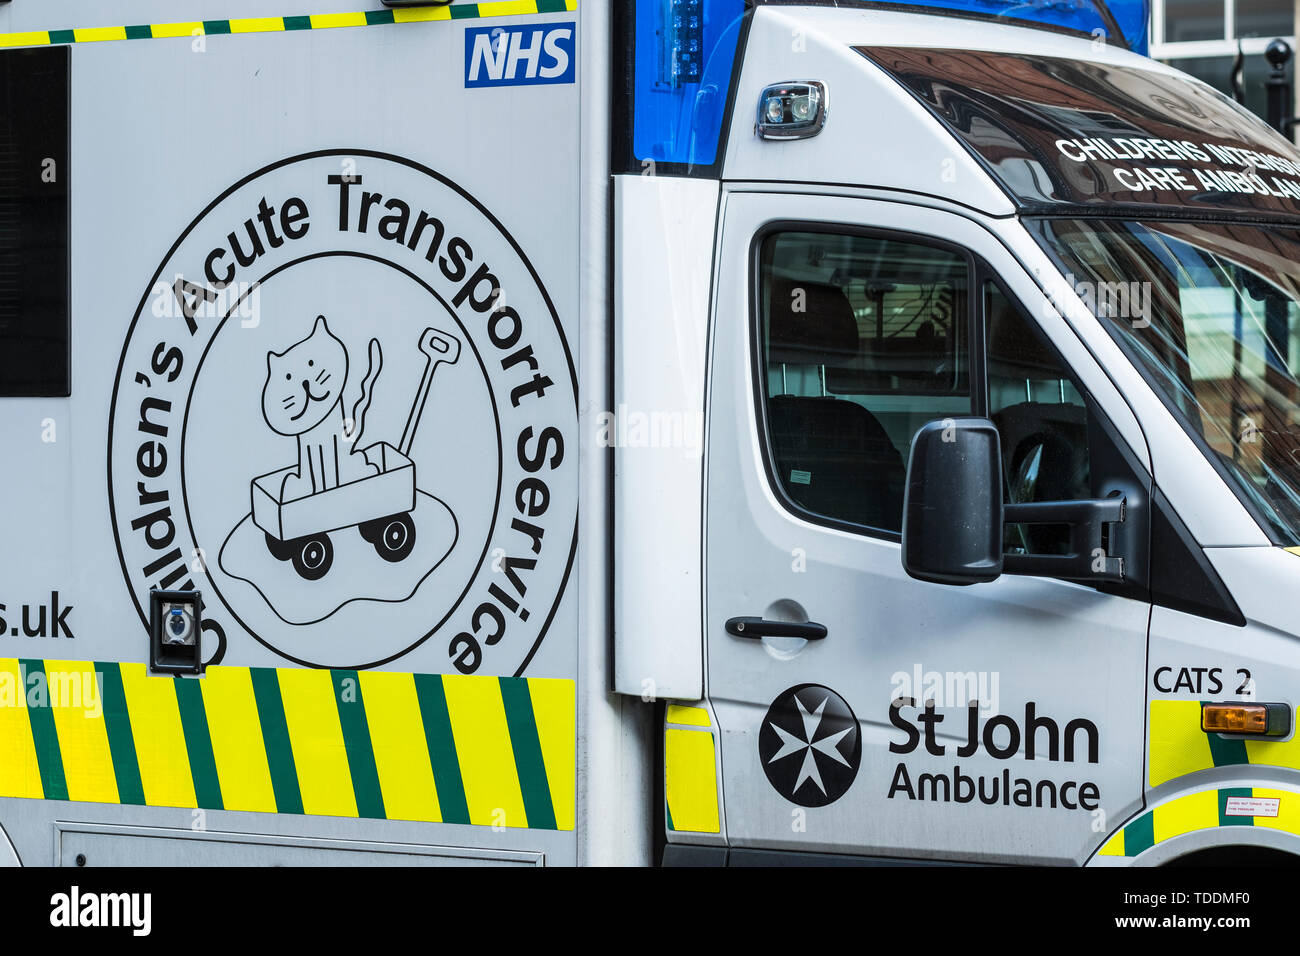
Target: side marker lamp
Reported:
[(1246, 720)]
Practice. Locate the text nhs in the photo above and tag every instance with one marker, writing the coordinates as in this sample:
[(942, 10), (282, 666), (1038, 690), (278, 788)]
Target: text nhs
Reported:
[(520, 56)]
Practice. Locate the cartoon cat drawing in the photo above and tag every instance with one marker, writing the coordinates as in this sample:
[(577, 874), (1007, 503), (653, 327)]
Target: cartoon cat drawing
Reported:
[(303, 397)]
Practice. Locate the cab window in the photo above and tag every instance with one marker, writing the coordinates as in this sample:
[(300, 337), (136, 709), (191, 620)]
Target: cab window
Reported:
[(863, 339)]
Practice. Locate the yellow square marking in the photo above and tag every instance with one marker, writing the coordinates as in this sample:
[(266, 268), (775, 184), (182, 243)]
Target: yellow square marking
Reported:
[(401, 752), (555, 711), (420, 14), (487, 758), (507, 8), (237, 745), (1178, 746), (159, 739), (690, 780), (694, 716), (33, 38), (257, 25), (327, 21), (1196, 811), (316, 736), (193, 28), (20, 774), (99, 34), (78, 710)]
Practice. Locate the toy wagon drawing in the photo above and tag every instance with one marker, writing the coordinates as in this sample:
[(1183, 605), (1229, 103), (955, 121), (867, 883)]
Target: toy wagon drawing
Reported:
[(379, 505)]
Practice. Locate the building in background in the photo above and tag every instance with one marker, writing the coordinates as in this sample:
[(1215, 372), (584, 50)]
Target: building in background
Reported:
[(1201, 37)]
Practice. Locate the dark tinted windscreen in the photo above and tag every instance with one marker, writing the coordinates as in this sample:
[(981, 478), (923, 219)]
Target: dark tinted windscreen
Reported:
[(1060, 132)]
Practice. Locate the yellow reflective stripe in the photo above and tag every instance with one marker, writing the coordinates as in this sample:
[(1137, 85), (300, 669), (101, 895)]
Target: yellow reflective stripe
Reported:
[(165, 30), (159, 739), (317, 740), (420, 14), (1273, 753), (20, 774), (690, 781), (1178, 746), (1114, 846), (237, 745), (326, 21), (1195, 811), (1288, 810), (555, 712), (695, 716), (98, 34), (257, 25), (78, 712), (401, 752), (31, 38), (507, 8), (487, 760)]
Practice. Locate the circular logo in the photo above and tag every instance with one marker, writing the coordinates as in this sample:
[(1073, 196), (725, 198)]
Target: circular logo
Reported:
[(346, 411), (809, 745)]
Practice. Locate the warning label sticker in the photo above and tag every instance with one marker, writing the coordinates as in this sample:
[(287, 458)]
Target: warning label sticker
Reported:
[(1252, 806)]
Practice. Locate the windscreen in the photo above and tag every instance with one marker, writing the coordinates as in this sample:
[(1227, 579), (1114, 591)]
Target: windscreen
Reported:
[(1211, 313), (1058, 133)]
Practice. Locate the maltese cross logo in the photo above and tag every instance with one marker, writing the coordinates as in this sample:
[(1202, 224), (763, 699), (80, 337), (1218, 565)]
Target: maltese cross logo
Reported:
[(809, 745)]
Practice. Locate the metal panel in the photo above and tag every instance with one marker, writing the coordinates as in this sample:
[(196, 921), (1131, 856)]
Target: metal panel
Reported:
[(88, 844), (663, 248)]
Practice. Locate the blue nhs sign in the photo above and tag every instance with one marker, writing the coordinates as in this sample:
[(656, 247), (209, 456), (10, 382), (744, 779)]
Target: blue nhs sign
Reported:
[(520, 55)]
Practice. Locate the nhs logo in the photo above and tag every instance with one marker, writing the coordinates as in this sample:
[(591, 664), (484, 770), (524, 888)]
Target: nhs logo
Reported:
[(520, 56)]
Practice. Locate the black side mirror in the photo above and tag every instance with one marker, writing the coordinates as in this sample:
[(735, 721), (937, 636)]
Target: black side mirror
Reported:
[(952, 507), (953, 515)]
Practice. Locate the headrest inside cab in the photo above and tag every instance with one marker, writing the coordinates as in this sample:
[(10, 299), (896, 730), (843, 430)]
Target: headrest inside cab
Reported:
[(810, 323)]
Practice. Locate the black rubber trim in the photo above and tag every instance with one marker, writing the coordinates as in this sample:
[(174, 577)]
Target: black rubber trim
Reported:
[(1182, 577), (681, 854)]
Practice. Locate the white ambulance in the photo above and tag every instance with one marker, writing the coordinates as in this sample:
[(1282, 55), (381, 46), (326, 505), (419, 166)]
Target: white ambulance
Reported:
[(683, 431)]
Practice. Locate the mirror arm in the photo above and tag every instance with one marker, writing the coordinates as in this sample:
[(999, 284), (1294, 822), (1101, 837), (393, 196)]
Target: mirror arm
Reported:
[(1088, 559)]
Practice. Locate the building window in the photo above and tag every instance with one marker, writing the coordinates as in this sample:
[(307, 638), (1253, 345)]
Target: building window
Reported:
[(1202, 37)]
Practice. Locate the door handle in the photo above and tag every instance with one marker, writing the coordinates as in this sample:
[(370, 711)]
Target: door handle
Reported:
[(757, 627)]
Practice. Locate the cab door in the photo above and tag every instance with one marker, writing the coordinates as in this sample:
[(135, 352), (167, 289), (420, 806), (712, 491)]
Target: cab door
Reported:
[(861, 711)]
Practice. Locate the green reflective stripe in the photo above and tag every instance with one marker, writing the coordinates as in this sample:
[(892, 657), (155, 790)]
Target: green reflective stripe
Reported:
[(198, 744), (375, 18), (275, 734), (48, 756), (356, 741), (527, 747), (1227, 753), (1140, 834), (1224, 819), (63, 36), (464, 11), (143, 32), (216, 27), (551, 6), (121, 741), (297, 23), (442, 748)]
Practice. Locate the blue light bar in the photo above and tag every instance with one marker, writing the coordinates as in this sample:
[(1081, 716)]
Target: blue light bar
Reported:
[(685, 51), (1130, 17)]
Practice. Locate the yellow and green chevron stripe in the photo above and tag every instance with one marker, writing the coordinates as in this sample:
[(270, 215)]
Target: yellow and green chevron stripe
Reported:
[(1200, 811), (690, 771), (325, 21), (1177, 746), (381, 745)]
